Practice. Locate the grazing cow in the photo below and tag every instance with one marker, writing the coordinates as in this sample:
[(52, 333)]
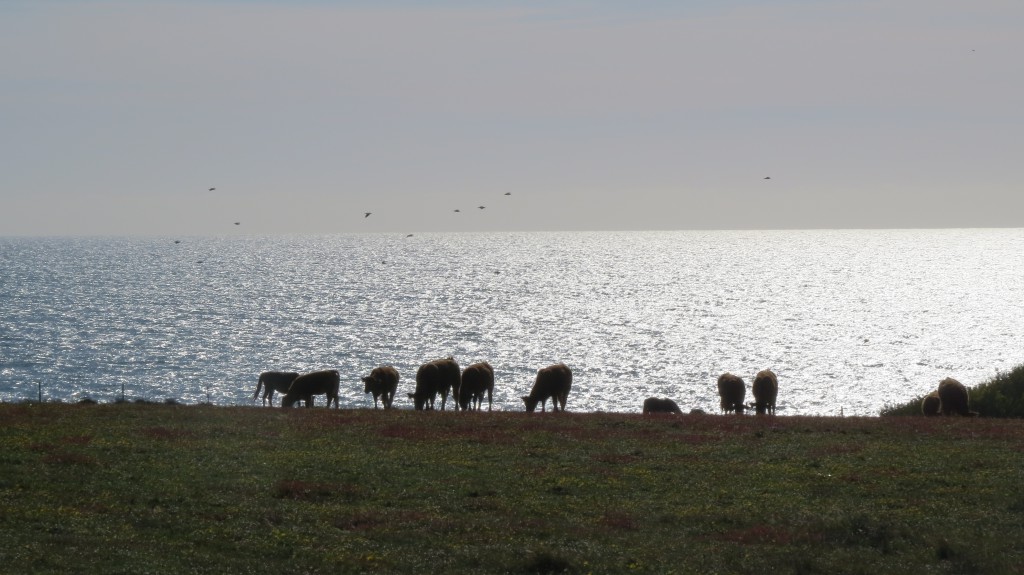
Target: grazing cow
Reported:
[(307, 385), (477, 379), (931, 404), (659, 405), (766, 389), (271, 381), (732, 390), (953, 398), (436, 377), (382, 383), (553, 381)]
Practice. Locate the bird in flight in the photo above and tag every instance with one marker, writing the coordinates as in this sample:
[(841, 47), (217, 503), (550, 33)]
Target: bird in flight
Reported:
[(767, 177), (366, 215), (508, 193), (481, 207), (211, 189), (457, 210), (238, 223)]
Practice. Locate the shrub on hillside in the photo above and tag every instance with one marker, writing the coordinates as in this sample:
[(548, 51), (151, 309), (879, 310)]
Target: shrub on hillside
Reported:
[(1001, 396)]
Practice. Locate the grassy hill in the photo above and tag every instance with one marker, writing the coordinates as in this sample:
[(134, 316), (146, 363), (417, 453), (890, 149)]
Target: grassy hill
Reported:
[(170, 489)]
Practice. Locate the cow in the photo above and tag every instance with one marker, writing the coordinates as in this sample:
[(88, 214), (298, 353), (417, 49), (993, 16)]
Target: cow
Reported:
[(954, 398), (661, 405), (553, 381), (307, 385), (382, 383), (476, 380), (271, 381), (931, 404), (433, 378), (732, 390), (766, 389)]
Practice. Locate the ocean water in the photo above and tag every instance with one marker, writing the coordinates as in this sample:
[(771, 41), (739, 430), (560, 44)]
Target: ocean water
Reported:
[(849, 320)]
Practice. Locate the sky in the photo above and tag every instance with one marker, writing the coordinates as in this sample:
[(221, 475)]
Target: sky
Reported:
[(117, 117)]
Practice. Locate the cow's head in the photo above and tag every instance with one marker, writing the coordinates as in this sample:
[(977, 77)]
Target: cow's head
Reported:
[(531, 404), (369, 384)]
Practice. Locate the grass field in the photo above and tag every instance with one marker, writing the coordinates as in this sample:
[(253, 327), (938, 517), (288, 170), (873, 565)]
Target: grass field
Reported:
[(200, 489)]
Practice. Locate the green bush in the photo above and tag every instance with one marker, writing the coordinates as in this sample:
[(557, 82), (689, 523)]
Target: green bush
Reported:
[(1001, 396)]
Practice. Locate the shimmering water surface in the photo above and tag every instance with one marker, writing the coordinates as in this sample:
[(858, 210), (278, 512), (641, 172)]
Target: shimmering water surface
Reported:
[(849, 320)]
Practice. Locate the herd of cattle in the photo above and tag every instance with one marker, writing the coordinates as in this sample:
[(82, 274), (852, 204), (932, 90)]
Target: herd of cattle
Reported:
[(468, 387), (439, 377)]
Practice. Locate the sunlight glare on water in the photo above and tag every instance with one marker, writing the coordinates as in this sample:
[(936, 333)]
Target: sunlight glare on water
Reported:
[(847, 319)]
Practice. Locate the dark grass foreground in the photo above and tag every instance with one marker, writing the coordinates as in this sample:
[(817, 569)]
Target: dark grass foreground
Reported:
[(201, 489)]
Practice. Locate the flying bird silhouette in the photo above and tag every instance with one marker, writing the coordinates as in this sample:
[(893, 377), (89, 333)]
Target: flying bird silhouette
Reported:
[(767, 177), (481, 207), (211, 189), (508, 193), (457, 211), (238, 223), (367, 215)]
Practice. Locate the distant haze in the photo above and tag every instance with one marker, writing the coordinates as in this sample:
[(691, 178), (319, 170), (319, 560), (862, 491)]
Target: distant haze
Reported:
[(117, 117)]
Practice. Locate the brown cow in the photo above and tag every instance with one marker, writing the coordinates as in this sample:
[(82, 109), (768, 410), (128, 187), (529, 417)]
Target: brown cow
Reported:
[(476, 380), (732, 390), (553, 381), (305, 386), (661, 405), (436, 377), (931, 404), (271, 381), (766, 389), (954, 398), (382, 383)]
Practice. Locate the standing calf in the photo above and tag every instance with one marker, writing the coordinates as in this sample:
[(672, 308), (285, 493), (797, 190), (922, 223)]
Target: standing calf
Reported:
[(271, 381), (732, 390), (766, 389), (476, 380), (382, 381), (553, 382), (305, 386)]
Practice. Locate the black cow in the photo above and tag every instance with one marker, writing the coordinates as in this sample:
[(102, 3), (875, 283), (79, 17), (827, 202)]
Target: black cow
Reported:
[(382, 381), (436, 377), (731, 389), (661, 405), (477, 379), (305, 386), (954, 398), (766, 390), (271, 381), (553, 381)]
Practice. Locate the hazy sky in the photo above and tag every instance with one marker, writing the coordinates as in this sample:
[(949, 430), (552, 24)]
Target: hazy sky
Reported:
[(117, 116)]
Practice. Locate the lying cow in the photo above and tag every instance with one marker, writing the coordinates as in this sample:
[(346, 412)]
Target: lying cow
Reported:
[(954, 398), (477, 379), (766, 389), (307, 385), (436, 377), (553, 382), (661, 405), (382, 383), (271, 381), (731, 389)]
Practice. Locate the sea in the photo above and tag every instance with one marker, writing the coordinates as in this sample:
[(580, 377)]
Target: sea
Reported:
[(849, 320)]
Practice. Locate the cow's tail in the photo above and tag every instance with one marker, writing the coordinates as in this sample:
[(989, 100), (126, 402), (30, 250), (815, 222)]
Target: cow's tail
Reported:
[(259, 384)]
